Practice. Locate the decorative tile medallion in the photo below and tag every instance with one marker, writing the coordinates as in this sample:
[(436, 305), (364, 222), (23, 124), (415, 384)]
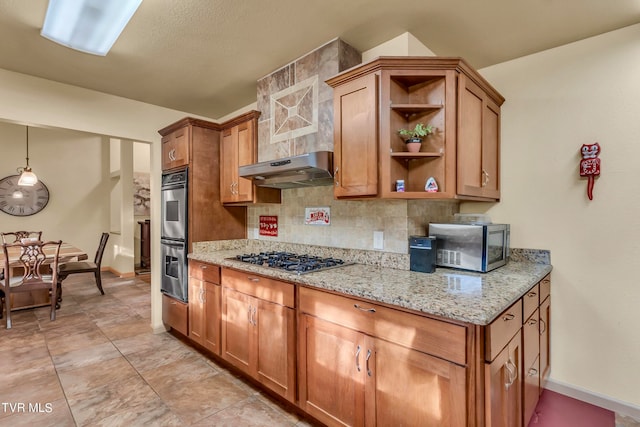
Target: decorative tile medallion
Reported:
[(295, 110)]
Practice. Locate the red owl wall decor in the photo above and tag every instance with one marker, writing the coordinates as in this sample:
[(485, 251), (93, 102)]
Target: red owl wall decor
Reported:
[(590, 165)]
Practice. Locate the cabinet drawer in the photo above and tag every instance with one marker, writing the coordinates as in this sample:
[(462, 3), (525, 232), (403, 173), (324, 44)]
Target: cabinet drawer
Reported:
[(175, 314), (258, 286), (502, 329), (530, 302), (435, 337), (545, 288), (203, 271)]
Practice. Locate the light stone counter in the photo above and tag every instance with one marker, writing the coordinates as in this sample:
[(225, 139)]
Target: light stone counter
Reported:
[(476, 298)]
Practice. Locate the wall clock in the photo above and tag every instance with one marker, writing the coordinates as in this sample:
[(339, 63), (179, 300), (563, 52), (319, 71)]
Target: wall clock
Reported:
[(20, 200)]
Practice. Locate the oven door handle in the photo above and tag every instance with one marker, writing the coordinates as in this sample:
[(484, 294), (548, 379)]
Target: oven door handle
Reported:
[(172, 244), (174, 187)]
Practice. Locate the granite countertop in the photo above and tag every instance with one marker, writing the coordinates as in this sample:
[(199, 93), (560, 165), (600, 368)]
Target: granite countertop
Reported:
[(476, 298)]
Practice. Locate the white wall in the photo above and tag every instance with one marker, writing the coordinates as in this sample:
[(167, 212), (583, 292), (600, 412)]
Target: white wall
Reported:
[(30, 100), (556, 101), (77, 211)]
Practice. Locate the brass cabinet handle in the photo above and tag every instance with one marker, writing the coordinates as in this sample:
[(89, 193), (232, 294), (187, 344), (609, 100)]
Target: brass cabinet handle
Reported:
[(358, 358), (370, 310)]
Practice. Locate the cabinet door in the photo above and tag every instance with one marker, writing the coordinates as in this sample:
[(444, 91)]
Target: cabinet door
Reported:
[(211, 337), (531, 371), (228, 165), (175, 149), (276, 348), (196, 310), (174, 314), (545, 341), (245, 134), (331, 372), (356, 137), (503, 386), (408, 388), (478, 145), (238, 330)]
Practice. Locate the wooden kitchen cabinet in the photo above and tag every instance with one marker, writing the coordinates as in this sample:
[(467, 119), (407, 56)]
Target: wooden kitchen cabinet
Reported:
[(239, 147), (545, 330), (503, 386), (478, 142), (175, 148), (373, 101), (355, 155), (205, 305), (258, 330), (175, 314), (208, 219), (357, 365), (519, 337)]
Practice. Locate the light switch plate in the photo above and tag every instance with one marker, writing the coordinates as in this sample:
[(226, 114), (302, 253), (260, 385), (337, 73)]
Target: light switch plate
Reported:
[(378, 240)]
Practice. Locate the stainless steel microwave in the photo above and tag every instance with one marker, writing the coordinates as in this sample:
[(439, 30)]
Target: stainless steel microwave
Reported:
[(475, 247)]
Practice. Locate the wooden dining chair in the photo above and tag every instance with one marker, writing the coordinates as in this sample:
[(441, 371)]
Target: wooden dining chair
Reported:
[(16, 236), (32, 256), (73, 267)]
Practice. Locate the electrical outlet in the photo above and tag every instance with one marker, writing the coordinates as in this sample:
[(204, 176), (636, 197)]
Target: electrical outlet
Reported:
[(378, 240)]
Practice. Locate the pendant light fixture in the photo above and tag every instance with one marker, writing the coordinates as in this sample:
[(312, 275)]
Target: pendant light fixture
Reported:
[(27, 177)]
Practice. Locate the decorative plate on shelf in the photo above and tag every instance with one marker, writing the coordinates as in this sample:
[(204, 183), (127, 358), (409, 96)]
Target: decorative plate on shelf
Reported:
[(22, 200)]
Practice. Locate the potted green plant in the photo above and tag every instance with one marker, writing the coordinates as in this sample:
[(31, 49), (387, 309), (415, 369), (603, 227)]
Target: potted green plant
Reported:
[(413, 137)]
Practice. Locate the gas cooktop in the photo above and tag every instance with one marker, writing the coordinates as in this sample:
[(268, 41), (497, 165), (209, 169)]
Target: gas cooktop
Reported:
[(295, 263)]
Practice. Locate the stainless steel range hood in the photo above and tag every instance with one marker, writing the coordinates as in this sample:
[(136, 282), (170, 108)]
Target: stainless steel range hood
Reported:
[(305, 170)]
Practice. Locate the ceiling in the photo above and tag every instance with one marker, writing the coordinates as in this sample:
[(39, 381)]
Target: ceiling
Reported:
[(204, 57)]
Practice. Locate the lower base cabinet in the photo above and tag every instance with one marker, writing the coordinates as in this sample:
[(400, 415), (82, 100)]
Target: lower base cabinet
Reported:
[(351, 378), (503, 386), (347, 362), (258, 331)]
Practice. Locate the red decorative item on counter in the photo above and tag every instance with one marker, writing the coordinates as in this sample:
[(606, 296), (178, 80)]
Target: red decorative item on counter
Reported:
[(590, 165)]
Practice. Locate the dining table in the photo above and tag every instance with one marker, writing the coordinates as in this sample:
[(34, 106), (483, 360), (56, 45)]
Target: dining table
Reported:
[(39, 298)]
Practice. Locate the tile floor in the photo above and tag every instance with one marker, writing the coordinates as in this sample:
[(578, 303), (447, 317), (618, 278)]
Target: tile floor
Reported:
[(99, 364)]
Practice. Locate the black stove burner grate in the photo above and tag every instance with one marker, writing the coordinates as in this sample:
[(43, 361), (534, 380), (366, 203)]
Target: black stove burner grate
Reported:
[(290, 261)]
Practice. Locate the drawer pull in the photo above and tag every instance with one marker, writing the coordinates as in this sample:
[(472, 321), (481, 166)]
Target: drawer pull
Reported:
[(368, 356), (513, 373), (370, 310), (202, 266), (254, 279), (532, 322), (532, 294), (358, 358), (508, 317), (533, 372), (542, 327)]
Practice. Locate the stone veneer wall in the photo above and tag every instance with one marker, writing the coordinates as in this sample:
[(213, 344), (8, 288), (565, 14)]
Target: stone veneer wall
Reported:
[(352, 221), (296, 105)]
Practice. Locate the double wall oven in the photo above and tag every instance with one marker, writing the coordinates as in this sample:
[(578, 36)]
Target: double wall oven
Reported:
[(173, 237)]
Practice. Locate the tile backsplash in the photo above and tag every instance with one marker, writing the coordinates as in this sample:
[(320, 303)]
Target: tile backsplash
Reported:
[(352, 221)]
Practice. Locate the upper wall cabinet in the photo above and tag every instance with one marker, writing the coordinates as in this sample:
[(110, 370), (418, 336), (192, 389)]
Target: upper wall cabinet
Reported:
[(239, 147), (374, 100)]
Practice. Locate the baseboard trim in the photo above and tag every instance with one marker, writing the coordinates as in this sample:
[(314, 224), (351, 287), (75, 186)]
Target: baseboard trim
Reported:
[(618, 406), (119, 274)]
